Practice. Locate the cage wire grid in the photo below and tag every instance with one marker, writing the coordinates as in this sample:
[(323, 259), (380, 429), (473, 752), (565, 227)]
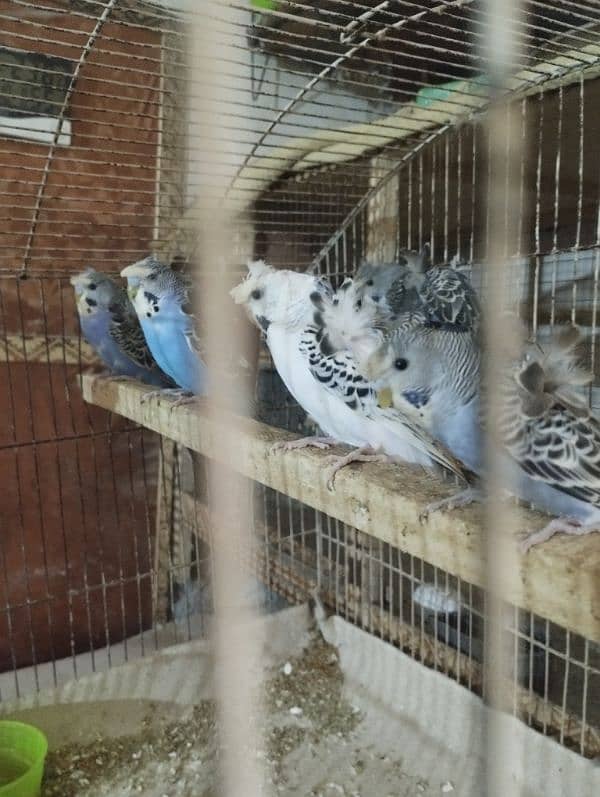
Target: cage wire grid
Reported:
[(353, 130)]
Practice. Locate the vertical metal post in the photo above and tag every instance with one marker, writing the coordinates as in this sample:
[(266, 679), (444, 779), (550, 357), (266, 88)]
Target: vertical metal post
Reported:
[(504, 147), (237, 644)]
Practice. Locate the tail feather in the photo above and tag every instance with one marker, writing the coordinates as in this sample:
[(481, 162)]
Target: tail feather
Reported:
[(424, 442)]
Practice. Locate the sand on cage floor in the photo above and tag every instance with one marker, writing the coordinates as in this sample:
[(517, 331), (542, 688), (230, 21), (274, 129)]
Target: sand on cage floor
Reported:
[(315, 743)]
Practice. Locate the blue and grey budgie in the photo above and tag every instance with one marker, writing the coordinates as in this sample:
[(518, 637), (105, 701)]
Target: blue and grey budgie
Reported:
[(550, 452), (110, 326), (162, 300), (433, 374), (283, 304)]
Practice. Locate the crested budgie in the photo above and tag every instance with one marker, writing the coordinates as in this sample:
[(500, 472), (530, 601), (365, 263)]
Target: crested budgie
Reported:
[(283, 304), (162, 299), (110, 326)]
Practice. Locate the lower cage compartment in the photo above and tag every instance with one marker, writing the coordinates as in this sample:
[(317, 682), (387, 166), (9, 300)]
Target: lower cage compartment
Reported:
[(343, 713)]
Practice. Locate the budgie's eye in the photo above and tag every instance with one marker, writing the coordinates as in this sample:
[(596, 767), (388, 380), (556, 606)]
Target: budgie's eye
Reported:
[(256, 294), (152, 276), (359, 304), (369, 283), (401, 364), (92, 286)]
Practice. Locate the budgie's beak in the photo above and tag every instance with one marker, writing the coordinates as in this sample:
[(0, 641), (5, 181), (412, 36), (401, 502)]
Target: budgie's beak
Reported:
[(136, 270), (132, 292), (239, 294), (78, 282), (385, 398)]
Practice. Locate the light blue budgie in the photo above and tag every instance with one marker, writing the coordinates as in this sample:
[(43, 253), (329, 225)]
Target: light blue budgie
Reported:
[(110, 326), (161, 298), (550, 453), (433, 374)]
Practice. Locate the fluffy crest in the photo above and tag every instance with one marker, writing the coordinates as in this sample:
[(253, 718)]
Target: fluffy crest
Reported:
[(350, 322), (278, 296), (551, 368), (257, 271)]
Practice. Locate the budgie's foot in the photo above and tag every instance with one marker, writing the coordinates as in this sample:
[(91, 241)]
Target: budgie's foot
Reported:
[(560, 525), (114, 378), (304, 442), (463, 498), (364, 454), (186, 398), (164, 393)]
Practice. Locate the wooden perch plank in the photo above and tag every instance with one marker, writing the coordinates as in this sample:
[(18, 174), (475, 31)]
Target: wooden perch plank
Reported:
[(559, 580)]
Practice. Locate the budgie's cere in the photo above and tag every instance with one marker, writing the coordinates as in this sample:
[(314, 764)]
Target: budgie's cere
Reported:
[(109, 324), (161, 298), (329, 388)]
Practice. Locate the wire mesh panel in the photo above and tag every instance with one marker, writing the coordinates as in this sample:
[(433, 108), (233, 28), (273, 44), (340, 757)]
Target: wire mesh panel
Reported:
[(349, 131)]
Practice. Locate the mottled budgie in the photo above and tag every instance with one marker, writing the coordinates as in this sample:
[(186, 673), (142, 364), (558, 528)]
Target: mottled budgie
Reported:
[(162, 299), (342, 402), (410, 291), (110, 326), (552, 437)]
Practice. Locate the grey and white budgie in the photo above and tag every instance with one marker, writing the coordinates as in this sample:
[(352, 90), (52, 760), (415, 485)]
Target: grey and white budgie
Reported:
[(553, 437), (110, 326), (329, 387), (410, 292)]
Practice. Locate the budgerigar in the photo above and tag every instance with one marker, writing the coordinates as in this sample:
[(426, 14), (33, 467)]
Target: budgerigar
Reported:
[(433, 374), (552, 437), (411, 292), (282, 303), (161, 298), (550, 453), (110, 326)]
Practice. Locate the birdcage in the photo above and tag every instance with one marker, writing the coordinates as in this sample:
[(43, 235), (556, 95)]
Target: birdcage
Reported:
[(328, 133)]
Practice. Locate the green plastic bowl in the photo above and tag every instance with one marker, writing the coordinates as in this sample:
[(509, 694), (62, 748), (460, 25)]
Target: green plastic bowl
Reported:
[(23, 750), (266, 5)]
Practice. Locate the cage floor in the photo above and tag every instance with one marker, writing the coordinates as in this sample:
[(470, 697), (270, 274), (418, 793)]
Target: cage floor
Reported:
[(344, 716)]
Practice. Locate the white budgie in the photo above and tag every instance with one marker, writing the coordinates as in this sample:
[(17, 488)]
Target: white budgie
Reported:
[(282, 303)]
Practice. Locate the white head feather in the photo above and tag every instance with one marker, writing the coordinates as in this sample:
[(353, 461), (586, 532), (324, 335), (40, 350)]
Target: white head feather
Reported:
[(351, 322), (276, 296)]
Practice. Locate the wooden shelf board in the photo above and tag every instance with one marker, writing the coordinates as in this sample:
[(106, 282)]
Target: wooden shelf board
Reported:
[(559, 580)]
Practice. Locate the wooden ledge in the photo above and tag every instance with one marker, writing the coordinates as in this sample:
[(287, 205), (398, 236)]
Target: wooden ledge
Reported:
[(559, 580)]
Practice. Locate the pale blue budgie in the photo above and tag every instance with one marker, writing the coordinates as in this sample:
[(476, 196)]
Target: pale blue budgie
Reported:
[(550, 452), (162, 300), (110, 326), (433, 374), (283, 304)]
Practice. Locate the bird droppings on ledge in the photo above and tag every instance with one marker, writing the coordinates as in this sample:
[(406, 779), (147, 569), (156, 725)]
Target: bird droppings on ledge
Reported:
[(324, 750)]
